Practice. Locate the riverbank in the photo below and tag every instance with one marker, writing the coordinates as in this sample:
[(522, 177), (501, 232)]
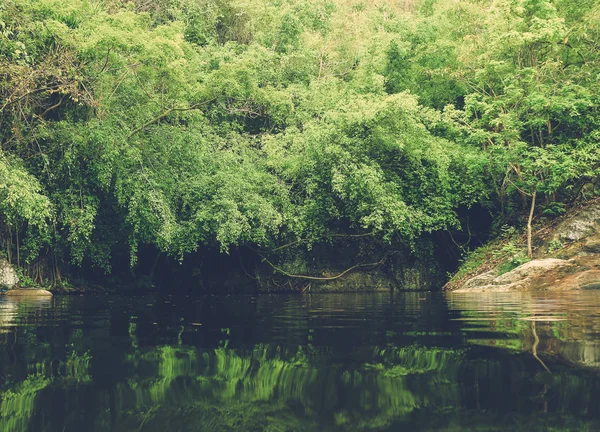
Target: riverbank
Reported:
[(349, 263), (566, 256)]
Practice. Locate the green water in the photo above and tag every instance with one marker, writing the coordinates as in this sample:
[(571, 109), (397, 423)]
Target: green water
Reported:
[(343, 362)]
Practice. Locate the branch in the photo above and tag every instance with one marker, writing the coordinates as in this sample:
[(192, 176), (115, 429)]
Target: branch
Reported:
[(148, 123), (105, 62), (353, 235), (10, 102), (321, 278), (518, 188), (53, 107), (295, 242), (518, 172), (144, 88), (165, 114), (462, 246), (118, 84)]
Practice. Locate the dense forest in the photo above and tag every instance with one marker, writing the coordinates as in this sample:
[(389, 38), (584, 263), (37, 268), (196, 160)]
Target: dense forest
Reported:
[(137, 136)]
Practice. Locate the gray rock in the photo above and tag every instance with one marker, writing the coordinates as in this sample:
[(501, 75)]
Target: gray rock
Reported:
[(480, 280), (578, 240), (8, 275), (521, 278), (582, 225), (530, 269), (592, 245)]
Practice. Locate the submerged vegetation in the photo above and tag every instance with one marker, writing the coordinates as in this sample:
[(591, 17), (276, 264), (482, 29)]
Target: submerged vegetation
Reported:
[(134, 130)]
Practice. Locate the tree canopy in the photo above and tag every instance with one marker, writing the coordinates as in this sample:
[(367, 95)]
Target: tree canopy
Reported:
[(187, 124)]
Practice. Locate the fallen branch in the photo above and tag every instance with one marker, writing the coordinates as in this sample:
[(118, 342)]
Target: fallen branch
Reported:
[(353, 235)]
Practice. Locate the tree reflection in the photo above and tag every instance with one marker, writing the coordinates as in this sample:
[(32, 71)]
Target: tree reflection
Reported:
[(558, 325), (56, 378)]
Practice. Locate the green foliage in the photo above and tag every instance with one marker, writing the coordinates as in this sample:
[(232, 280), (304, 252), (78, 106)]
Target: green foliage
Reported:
[(554, 209), (24, 280), (23, 206), (532, 108), (509, 252), (505, 253), (471, 262), (554, 245), (513, 262), (218, 123)]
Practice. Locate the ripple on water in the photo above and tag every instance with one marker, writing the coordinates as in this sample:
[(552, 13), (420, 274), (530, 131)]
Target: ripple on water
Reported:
[(356, 362)]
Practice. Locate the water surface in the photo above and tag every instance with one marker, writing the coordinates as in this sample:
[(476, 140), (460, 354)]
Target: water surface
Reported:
[(339, 362)]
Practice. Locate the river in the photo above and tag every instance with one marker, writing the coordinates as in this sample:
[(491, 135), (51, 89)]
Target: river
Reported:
[(327, 362)]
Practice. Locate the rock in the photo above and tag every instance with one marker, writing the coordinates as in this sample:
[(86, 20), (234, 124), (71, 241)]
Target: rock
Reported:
[(27, 292), (480, 280), (8, 275), (592, 245), (581, 225), (583, 280), (531, 269), (568, 260), (531, 275)]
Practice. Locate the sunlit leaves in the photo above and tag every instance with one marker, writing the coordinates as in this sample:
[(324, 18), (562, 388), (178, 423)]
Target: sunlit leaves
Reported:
[(218, 123)]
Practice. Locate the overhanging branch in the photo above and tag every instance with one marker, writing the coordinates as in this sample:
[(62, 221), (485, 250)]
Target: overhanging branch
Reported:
[(315, 278)]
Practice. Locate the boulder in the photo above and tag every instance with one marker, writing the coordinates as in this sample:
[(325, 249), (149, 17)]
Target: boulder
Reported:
[(478, 281), (568, 259), (583, 280), (28, 292), (531, 275), (8, 275), (531, 269), (584, 224)]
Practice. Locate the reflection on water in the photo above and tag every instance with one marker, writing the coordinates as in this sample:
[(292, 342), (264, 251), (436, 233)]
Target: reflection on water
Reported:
[(344, 362), (563, 326)]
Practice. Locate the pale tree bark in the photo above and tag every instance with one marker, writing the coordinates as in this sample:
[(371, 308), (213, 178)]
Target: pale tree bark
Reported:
[(529, 220)]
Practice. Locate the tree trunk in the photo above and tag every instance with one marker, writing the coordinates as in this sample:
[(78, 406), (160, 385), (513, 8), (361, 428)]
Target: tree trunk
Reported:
[(18, 250), (529, 235)]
